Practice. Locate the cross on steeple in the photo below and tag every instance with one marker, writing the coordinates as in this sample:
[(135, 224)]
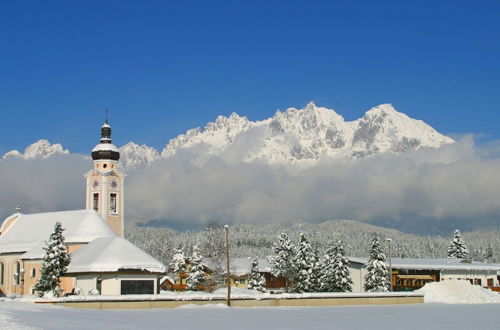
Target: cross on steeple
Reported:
[(106, 110)]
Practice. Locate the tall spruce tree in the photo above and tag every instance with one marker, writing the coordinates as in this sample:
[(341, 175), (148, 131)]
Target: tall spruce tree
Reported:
[(255, 280), (457, 248), (282, 261), (55, 263), (327, 280), (306, 267), (178, 263), (377, 277), (196, 275), (335, 272)]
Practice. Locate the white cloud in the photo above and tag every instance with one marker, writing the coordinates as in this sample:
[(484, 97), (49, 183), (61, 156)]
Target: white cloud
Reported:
[(458, 181)]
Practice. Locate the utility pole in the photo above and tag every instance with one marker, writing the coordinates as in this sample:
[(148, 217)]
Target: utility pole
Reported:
[(389, 241), (226, 229)]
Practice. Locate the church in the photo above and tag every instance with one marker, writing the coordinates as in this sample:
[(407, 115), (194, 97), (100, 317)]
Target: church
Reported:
[(102, 260)]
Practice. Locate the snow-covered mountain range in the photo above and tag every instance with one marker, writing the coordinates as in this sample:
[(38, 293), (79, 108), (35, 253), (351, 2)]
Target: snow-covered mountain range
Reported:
[(298, 136), (40, 149)]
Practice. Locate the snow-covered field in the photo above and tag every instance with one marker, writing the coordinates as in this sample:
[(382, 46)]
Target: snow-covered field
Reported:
[(25, 315), (462, 306)]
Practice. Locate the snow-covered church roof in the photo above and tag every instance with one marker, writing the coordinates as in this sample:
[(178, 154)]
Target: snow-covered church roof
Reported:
[(29, 231), (112, 254)]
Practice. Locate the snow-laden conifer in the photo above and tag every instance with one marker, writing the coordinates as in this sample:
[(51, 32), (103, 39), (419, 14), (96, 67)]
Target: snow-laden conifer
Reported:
[(305, 267), (196, 275), (178, 263), (282, 260), (457, 248), (377, 277), (55, 263), (255, 280), (334, 269)]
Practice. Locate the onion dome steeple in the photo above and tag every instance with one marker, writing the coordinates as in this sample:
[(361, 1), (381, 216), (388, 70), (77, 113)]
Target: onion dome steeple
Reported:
[(105, 149)]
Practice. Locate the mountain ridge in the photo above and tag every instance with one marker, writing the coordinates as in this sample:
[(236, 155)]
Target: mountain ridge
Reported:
[(294, 136)]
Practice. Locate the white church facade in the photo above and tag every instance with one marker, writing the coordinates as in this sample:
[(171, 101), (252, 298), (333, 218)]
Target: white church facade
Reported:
[(102, 261)]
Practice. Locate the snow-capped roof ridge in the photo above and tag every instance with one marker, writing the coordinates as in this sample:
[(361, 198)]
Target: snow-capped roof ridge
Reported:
[(111, 254), (29, 230)]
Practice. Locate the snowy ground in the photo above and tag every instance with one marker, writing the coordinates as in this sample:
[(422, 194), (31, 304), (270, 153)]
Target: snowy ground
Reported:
[(462, 306), (25, 315)]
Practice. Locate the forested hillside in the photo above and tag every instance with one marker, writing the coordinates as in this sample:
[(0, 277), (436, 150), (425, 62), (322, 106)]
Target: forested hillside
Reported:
[(256, 241)]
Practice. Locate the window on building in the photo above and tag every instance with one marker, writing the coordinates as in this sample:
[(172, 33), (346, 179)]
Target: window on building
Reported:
[(112, 203), (1, 273), (96, 202), (137, 287), (17, 273), (33, 272)]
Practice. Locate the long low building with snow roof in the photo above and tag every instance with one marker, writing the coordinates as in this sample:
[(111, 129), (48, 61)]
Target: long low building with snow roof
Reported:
[(101, 260), (413, 273)]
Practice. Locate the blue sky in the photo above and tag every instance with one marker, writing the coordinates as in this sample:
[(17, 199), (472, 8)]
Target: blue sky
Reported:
[(163, 67)]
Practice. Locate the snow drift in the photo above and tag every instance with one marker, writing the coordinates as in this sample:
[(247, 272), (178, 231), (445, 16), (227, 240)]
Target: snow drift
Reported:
[(458, 292)]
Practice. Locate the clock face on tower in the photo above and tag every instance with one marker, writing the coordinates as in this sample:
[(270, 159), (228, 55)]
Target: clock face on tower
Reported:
[(95, 184), (114, 185)]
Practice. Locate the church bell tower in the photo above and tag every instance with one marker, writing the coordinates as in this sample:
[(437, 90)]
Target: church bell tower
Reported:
[(105, 182)]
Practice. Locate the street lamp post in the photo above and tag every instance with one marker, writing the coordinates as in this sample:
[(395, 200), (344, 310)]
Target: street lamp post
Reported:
[(389, 241), (226, 229)]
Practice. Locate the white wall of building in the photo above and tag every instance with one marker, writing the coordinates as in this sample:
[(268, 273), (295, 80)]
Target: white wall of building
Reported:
[(110, 283), (86, 283), (483, 275), (358, 273)]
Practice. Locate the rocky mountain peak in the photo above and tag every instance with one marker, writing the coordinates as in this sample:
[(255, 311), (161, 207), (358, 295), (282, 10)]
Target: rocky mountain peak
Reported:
[(133, 155)]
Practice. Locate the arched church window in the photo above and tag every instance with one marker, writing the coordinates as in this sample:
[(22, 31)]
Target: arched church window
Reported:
[(1, 273), (96, 202), (112, 204), (17, 273)]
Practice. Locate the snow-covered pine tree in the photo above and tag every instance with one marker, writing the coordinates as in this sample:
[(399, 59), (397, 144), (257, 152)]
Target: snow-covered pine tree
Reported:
[(457, 248), (306, 267), (281, 262), (341, 270), (55, 263), (178, 263), (255, 280), (196, 275), (377, 278), (335, 272), (327, 279)]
